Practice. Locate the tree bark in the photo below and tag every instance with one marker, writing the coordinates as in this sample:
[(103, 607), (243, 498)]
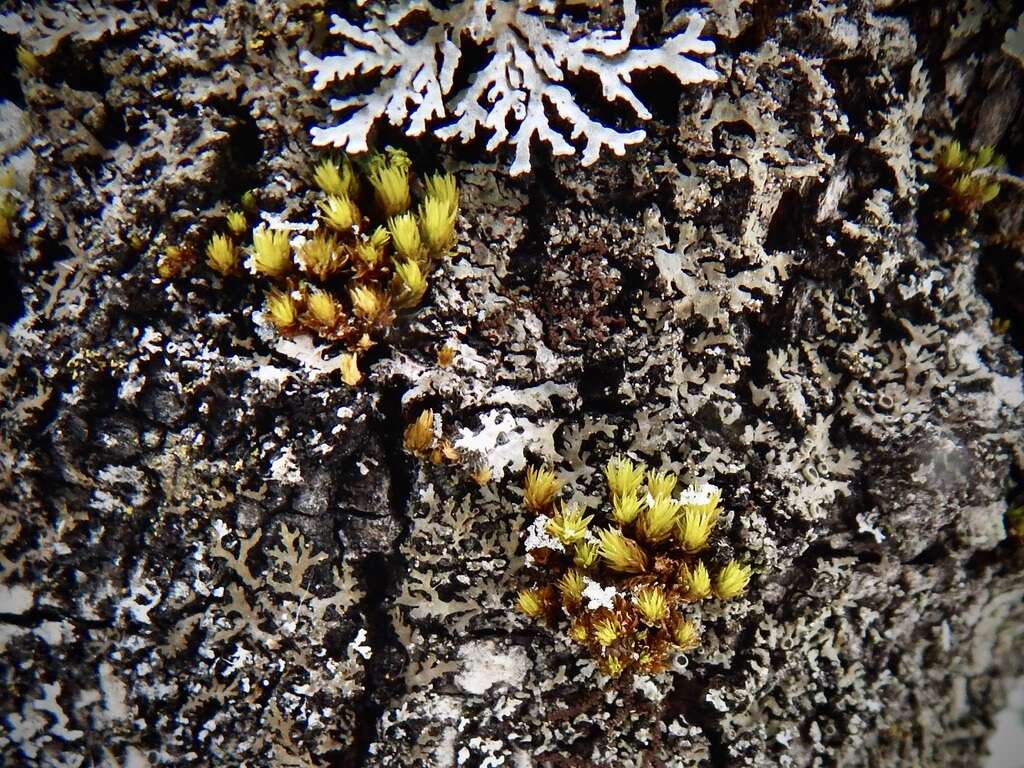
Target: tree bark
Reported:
[(214, 552)]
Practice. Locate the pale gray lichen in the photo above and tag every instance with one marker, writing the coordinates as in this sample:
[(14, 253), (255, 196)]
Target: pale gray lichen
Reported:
[(1013, 43), (529, 62), (727, 344), (42, 28)]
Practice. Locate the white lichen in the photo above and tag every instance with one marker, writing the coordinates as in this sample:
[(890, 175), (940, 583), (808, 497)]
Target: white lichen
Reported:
[(523, 79), (598, 596), (537, 537), (485, 664)]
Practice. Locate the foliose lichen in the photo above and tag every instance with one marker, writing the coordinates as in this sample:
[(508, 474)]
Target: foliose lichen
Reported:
[(528, 60), (1013, 42)]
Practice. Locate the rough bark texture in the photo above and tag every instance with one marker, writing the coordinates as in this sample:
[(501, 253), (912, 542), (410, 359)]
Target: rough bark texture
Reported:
[(211, 555)]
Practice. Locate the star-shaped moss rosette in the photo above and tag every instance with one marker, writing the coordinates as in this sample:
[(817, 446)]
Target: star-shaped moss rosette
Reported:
[(620, 579), (365, 257)]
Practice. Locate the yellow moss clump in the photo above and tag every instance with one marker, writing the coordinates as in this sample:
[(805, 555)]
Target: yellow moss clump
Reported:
[(732, 580), (571, 586), (696, 582), (237, 223), (405, 236), (480, 474), (437, 223), (271, 252), (388, 174), (174, 261), (324, 314), (531, 602), (966, 177), (624, 477), (366, 256), (421, 440), (622, 584), (621, 553), (28, 62), (626, 509), (445, 356), (322, 257), (569, 525), (350, 369), (339, 212), (419, 435), (222, 255), (652, 604), (283, 311), (337, 178), (8, 212), (585, 554), (541, 489), (409, 284)]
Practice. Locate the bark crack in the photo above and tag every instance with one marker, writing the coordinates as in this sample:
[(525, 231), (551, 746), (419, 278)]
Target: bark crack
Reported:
[(381, 573)]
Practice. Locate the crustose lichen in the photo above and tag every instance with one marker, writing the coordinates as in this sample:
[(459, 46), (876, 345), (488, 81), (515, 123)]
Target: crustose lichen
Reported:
[(622, 585)]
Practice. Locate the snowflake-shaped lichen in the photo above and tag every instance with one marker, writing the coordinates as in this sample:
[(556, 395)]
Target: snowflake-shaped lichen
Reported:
[(514, 95)]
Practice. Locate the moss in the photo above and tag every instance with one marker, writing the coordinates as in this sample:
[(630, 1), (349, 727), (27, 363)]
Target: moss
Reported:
[(965, 178), (28, 62), (1015, 523), (9, 208), (174, 261), (621, 586), (421, 440), (367, 258)]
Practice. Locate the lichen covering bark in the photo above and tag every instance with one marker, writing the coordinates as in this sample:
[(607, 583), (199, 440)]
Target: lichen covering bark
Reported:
[(213, 551)]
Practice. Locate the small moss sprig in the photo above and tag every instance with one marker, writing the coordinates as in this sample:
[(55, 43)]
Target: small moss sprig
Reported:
[(424, 441), (966, 178), (9, 208), (620, 585), (28, 62), (8, 216), (1015, 523), (367, 258), (421, 440)]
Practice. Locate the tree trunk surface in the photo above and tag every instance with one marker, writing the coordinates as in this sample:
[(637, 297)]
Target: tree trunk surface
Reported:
[(215, 552)]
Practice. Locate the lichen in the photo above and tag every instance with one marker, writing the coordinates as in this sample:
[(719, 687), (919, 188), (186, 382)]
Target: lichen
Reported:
[(746, 301), (528, 61), (1013, 42)]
